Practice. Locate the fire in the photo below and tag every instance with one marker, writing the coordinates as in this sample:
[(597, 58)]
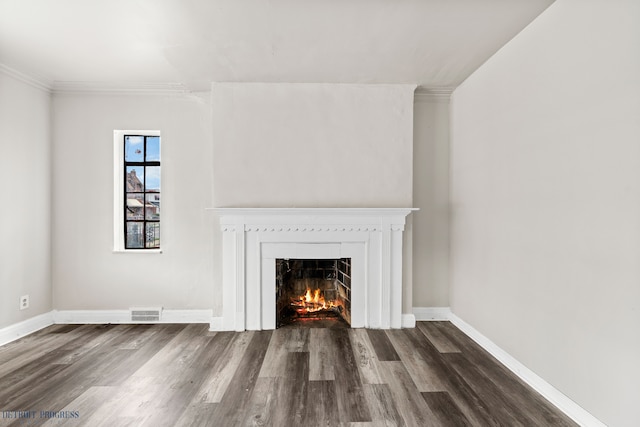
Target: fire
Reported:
[(311, 302)]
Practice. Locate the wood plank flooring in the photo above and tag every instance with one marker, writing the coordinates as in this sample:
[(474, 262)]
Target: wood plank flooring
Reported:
[(183, 375)]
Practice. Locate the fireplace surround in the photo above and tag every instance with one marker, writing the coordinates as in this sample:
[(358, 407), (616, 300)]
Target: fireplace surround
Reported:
[(254, 238)]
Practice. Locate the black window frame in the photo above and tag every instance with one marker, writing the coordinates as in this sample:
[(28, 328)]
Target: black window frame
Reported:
[(144, 164)]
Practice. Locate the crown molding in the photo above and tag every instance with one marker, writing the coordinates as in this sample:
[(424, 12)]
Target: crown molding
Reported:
[(116, 88), (154, 88), (429, 93), (119, 88), (30, 79)]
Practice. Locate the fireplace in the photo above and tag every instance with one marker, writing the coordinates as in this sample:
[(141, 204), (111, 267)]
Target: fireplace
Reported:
[(255, 239), (313, 292)]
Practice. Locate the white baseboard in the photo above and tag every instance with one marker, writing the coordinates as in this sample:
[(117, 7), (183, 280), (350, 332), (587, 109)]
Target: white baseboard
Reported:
[(216, 324), (91, 316), (431, 313), (408, 321), (124, 316), (553, 395), (26, 327), (186, 316)]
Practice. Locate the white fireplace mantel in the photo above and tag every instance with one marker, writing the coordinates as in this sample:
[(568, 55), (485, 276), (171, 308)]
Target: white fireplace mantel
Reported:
[(253, 238)]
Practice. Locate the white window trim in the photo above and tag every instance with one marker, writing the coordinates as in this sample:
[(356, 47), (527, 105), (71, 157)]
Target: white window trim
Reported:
[(118, 190)]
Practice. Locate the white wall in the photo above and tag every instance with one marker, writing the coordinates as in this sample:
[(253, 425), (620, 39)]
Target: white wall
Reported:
[(25, 173), (546, 202), (312, 145), (87, 275), (351, 127), (431, 196)]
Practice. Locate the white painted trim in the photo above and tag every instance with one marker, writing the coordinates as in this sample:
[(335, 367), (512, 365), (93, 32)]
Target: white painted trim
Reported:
[(272, 216), (124, 316), (33, 81), (93, 88), (425, 94), (18, 330), (408, 321), (137, 251), (553, 395), (251, 236), (91, 316), (118, 88), (216, 324), (186, 316), (431, 313)]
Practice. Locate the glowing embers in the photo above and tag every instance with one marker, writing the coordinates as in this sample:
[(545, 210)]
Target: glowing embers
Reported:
[(313, 290), (312, 303)]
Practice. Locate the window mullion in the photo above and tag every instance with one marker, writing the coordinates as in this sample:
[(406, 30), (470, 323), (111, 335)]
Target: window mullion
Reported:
[(141, 160)]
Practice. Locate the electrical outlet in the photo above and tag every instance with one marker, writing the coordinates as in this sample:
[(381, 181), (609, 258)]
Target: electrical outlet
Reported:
[(24, 302)]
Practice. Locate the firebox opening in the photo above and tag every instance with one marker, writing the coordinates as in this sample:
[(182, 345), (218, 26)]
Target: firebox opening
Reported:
[(313, 292)]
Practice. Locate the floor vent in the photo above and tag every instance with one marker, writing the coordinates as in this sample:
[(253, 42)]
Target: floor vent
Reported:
[(147, 314)]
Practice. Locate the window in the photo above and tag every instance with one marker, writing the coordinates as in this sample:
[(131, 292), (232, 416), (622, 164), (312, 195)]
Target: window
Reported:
[(137, 190)]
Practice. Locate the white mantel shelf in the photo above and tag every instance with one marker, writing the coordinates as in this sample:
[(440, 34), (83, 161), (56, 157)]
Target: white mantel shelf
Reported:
[(253, 238), (314, 211)]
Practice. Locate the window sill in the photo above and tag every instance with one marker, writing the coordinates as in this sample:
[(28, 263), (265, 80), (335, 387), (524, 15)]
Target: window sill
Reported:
[(137, 251)]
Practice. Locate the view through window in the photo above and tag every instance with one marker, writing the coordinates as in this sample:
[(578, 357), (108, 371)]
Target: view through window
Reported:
[(142, 192)]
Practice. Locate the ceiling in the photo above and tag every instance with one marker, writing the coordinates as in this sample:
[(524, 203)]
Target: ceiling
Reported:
[(432, 43)]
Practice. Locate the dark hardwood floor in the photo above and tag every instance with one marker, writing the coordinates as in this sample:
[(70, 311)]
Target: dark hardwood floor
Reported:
[(183, 375)]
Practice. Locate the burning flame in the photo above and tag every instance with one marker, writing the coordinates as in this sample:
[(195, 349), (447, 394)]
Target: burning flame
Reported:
[(309, 303)]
